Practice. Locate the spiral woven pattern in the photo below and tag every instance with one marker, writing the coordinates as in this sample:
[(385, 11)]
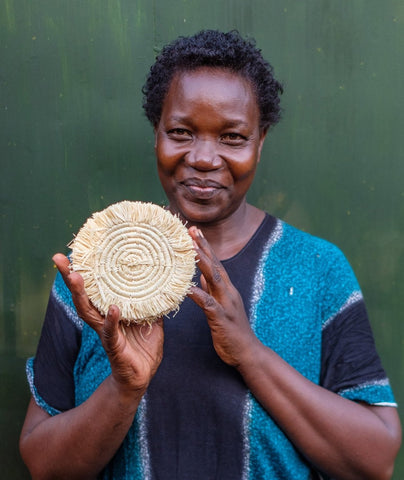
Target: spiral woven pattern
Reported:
[(137, 256)]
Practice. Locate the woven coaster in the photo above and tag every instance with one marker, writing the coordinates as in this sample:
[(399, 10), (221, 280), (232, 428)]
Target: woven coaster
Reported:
[(137, 256)]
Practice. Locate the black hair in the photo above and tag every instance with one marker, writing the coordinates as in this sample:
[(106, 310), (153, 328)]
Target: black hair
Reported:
[(212, 48)]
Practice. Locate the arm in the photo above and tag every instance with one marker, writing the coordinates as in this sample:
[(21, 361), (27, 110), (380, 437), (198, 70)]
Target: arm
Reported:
[(344, 439), (354, 442), (80, 442)]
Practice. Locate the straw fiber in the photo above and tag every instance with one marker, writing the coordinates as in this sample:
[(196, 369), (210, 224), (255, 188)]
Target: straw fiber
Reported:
[(137, 256)]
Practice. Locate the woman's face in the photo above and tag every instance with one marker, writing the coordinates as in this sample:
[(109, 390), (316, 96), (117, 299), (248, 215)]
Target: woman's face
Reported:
[(208, 143)]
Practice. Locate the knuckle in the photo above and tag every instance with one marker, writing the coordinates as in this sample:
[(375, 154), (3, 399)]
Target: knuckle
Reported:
[(217, 274), (209, 302)]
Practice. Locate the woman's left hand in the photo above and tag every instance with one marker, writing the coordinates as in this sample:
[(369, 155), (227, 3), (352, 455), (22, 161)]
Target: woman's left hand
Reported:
[(355, 442), (232, 336)]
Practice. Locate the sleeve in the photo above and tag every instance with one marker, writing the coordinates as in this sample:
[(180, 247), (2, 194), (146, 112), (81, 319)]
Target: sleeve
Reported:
[(51, 372), (350, 366)]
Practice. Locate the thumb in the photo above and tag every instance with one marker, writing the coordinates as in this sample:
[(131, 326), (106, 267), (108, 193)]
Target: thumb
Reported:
[(110, 329)]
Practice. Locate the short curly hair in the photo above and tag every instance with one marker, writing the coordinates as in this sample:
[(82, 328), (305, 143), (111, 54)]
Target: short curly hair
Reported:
[(212, 48)]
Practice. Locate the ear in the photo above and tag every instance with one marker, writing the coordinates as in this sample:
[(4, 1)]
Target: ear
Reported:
[(263, 134)]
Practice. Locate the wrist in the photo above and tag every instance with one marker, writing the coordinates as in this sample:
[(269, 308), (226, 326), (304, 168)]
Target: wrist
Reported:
[(127, 397), (249, 358)]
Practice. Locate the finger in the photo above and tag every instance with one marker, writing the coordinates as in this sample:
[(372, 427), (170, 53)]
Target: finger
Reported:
[(74, 282), (204, 285), (110, 329), (212, 269), (63, 265), (85, 309), (200, 242), (208, 304)]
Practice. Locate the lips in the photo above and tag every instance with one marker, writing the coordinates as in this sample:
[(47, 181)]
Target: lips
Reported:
[(202, 188)]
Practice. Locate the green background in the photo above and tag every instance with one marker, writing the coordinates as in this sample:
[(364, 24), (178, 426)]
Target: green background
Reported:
[(73, 139)]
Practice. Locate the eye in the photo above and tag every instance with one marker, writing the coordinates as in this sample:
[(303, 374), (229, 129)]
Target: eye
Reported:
[(179, 134), (233, 138)]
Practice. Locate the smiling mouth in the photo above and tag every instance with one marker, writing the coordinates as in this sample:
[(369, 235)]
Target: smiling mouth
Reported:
[(203, 189)]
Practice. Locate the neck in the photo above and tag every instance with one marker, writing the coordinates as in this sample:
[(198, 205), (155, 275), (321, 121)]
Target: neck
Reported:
[(228, 236)]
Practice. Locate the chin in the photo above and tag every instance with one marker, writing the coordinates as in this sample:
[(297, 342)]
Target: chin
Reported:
[(203, 215), (200, 212)]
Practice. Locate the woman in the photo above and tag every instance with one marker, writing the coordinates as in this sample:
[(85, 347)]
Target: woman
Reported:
[(269, 370)]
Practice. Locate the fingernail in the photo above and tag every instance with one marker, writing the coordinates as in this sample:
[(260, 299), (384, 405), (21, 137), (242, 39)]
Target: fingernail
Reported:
[(200, 234)]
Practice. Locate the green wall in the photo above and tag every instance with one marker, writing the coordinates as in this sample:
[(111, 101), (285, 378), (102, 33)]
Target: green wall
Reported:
[(73, 139)]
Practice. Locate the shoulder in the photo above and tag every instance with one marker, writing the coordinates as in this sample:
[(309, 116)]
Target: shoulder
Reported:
[(294, 244), (294, 237), (293, 254)]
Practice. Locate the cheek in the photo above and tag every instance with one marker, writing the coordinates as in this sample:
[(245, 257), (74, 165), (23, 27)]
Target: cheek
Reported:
[(166, 160), (245, 168)]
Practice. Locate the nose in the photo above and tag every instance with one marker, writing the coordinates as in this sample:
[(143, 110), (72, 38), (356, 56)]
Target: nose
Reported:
[(204, 156)]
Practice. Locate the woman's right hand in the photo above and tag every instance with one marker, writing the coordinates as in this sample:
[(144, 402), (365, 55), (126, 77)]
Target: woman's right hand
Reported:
[(54, 446), (134, 351)]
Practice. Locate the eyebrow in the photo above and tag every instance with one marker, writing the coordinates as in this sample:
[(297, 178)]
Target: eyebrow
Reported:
[(237, 123)]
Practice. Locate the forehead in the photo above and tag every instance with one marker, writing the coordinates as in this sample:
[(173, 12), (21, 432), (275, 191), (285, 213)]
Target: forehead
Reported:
[(208, 87)]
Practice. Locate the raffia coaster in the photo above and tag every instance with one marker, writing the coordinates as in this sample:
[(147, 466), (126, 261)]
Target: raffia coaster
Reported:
[(137, 256)]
